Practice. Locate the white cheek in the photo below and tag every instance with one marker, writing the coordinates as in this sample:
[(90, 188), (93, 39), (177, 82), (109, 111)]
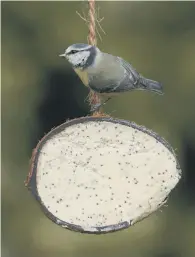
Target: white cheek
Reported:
[(80, 58)]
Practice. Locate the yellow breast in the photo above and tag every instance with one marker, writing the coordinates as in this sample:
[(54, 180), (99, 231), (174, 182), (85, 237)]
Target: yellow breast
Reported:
[(83, 76)]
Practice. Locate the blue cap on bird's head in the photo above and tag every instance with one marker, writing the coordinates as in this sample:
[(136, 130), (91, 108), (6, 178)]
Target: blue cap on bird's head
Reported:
[(79, 46)]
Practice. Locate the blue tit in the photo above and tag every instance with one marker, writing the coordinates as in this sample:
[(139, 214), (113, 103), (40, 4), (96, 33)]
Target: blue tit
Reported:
[(106, 74)]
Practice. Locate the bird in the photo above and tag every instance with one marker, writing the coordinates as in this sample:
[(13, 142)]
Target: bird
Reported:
[(106, 74)]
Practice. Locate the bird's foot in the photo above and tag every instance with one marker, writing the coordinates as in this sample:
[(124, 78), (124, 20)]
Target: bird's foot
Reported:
[(96, 107)]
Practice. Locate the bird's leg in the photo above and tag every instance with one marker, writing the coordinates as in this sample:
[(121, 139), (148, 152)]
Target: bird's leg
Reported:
[(96, 107)]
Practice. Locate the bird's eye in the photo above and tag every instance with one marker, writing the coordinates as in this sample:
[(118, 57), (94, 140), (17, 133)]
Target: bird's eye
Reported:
[(73, 52)]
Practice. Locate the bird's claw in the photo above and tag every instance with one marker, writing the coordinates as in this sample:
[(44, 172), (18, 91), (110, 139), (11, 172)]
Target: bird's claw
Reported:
[(95, 107)]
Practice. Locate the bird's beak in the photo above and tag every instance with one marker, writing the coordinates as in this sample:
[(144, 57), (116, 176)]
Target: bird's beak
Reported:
[(62, 55)]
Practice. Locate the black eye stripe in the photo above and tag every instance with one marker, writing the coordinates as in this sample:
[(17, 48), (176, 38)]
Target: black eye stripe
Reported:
[(72, 52), (75, 51)]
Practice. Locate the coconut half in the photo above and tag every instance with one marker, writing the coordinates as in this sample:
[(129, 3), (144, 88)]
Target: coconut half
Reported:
[(99, 174)]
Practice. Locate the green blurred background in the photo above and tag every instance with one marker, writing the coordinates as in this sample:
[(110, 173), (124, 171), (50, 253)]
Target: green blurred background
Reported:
[(40, 91)]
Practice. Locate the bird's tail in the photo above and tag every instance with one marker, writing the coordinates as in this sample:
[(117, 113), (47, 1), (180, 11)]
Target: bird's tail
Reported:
[(151, 85)]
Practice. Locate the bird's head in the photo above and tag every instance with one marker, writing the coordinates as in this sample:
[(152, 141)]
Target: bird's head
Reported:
[(80, 55)]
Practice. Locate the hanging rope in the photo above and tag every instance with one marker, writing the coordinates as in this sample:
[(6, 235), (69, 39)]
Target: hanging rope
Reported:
[(92, 34), (94, 99)]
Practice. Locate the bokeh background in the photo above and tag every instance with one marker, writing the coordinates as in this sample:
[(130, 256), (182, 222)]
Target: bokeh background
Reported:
[(40, 91)]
